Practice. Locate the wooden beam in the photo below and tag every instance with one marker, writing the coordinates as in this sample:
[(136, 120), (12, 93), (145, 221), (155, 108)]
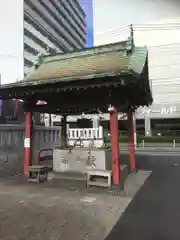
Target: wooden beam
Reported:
[(63, 107)]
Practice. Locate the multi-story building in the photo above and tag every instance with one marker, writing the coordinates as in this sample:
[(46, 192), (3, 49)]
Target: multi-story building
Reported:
[(47, 26), (51, 26)]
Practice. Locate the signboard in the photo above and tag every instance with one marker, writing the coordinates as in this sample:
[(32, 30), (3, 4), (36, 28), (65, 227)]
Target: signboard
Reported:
[(159, 111), (79, 160), (27, 143)]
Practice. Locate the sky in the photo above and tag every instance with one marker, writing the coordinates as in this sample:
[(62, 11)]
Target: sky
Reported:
[(110, 17), (11, 40), (87, 6)]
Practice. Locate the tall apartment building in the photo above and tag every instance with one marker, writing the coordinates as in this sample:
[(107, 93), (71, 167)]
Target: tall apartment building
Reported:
[(52, 25)]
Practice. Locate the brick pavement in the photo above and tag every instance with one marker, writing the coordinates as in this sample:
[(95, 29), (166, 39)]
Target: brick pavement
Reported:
[(31, 213)]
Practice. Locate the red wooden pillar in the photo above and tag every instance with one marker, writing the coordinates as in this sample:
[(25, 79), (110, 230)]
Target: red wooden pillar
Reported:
[(115, 144), (27, 141), (131, 141)]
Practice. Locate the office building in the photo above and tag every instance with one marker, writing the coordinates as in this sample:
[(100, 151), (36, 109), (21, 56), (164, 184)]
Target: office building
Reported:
[(51, 26)]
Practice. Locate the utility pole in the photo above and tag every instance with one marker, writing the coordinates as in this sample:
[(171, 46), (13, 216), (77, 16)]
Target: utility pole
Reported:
[(132, 33)]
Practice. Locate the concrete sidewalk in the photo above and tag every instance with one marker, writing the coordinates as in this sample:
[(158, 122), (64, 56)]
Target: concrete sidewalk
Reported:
[(32, 212)]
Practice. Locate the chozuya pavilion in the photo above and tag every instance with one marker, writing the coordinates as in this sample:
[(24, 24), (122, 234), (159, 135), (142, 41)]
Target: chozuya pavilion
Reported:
[(111, 78)]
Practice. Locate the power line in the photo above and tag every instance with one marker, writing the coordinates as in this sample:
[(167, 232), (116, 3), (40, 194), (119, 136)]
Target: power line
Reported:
[(164, 53), (165, 45), (161, 49), (165, 85), (8, 55), (143, 27), (164, 65), (115, 30), (169, 79), (158, 24), (156, 29)]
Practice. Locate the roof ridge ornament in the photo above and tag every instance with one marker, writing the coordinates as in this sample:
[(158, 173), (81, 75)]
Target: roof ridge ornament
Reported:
[(39, 60)]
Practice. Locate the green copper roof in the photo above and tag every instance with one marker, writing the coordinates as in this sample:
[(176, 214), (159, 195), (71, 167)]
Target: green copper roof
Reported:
[(108, 60), (71, 70)]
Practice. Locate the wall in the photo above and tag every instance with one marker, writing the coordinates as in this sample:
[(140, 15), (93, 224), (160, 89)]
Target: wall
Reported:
[(156, 24), (12, 146)]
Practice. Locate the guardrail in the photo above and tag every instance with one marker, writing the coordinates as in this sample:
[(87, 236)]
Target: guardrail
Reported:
[(143, 144)]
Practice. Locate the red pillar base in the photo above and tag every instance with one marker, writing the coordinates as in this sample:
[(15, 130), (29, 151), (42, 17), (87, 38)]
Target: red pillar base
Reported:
[(131, 142), (27, 142), (115, 145)]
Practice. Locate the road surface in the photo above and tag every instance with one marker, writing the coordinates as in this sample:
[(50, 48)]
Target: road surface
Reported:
[(154, 213)]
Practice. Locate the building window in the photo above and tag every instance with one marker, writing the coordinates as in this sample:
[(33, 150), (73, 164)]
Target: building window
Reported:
[(34, 38), (71, 23), (27, 63), (29, 49), (47, 20), (77, 12), (43, 31), (70, 39)]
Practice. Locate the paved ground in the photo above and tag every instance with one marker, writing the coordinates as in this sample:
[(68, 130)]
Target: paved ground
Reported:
[(35, 212), (154, 213)]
